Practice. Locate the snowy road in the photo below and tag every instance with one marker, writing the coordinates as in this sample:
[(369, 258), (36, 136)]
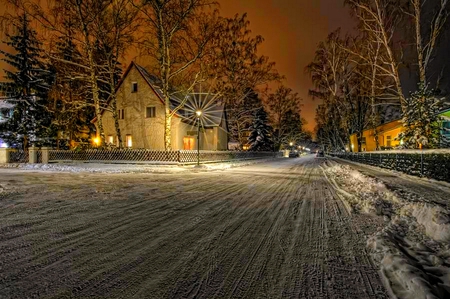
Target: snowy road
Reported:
[(270, 230)]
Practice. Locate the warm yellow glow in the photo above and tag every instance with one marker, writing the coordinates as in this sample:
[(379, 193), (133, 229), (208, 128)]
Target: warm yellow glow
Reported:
[(198, 112), (96, 141), (352, 146), (291, 144)]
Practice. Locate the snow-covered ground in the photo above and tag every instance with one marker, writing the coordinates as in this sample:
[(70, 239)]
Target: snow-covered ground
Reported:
[(413, 247), (131, 168), (267, 230), (285, 228)]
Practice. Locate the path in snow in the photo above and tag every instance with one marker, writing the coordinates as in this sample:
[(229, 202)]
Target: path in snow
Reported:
[(270, 230)]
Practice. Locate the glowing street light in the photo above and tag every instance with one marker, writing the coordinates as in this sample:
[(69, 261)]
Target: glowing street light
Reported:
[(199, 113)]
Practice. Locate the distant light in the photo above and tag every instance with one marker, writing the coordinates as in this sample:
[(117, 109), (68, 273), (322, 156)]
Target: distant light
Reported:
[(198, 112), (352, 146), (291, 144), (401, 142)]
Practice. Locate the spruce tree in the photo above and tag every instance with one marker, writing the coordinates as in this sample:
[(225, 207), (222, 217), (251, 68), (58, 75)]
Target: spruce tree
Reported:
[(27, 87), (260, 136), (421, 119)]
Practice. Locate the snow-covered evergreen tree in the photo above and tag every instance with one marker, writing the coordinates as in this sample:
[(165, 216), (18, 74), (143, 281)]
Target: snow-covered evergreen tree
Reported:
[(27, 87), (261, 131), (421, 119)]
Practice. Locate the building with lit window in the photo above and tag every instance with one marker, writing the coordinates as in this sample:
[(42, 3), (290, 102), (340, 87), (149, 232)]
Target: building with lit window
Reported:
[(141, 113), (388, 134)]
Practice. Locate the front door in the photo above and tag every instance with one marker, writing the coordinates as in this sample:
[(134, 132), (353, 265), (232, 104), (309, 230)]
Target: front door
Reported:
[(188, 143)]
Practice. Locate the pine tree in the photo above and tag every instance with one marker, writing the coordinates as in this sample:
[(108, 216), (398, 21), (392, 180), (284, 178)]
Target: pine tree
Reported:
[(421, 119), (260, 136), (27, 88)]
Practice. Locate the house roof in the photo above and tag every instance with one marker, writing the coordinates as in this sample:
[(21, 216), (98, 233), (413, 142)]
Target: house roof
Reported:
[(4, 104), (209, 104)]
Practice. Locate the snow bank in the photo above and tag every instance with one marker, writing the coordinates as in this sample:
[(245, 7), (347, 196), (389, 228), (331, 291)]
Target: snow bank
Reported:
[(363, 193), (435, 219), (102, 168), (410, 269), (131, 168)]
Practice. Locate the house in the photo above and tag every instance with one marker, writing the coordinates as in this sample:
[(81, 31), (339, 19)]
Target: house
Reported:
[(388, 133), (140, 107)]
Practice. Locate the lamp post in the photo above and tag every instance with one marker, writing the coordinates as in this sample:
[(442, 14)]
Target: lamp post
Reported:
[(291, 144), (199, 113)]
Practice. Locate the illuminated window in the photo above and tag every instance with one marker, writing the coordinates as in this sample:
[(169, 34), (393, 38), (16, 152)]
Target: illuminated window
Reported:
[(129, 141), (134, 87), (110, 139), (388, 141), (151, 112)]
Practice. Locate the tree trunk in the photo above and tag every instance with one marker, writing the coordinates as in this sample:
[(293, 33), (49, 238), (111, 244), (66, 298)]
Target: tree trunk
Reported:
[(114, 106), (167, 130), (98, 111)]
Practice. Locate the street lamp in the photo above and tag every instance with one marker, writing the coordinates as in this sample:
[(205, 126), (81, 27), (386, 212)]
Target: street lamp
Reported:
[(199, 113)]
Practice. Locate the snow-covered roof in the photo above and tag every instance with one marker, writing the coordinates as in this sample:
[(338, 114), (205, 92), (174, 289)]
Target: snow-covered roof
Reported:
[(4, 104)]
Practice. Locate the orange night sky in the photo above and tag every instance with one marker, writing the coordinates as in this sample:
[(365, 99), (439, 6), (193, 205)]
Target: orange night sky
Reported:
[(292, 30)]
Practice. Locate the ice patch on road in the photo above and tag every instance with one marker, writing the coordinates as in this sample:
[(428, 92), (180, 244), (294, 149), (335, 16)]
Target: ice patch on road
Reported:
[(413, 249)]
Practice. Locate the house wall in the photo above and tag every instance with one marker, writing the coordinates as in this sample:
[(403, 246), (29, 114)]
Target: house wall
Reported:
[(145, 132), (392, 129), (222, 136)]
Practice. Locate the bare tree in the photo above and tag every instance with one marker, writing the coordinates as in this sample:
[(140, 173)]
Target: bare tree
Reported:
[(238, 71), (178, 32), (83, 15), (380, 19), (115, 30), (284, 110), (426, 43)]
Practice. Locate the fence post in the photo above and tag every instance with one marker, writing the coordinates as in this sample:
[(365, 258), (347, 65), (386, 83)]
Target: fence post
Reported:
[(179, 156), (421, 163), (32, 154), (4, 155), (45, 155)]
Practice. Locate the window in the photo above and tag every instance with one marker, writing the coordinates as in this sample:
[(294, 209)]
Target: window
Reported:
[(129, 141), (134, 87), (151, 112), (121, 113), (388, 141), (110, 139), (363, 140)]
